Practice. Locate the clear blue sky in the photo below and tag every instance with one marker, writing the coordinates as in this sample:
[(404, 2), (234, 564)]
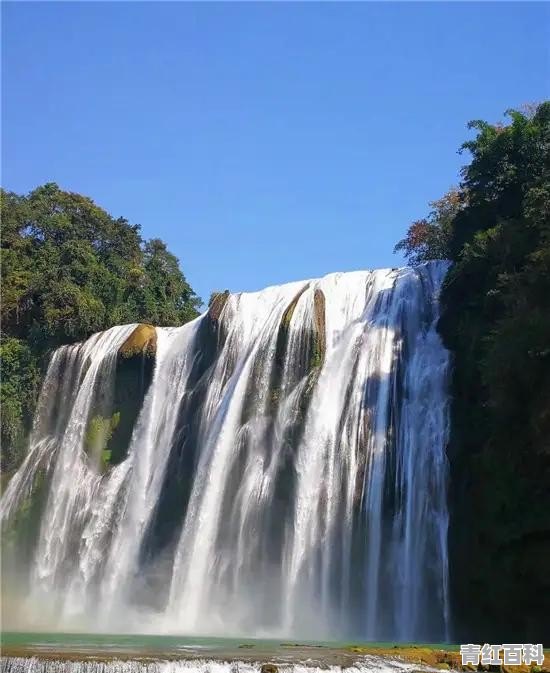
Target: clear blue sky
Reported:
[(263, 142)]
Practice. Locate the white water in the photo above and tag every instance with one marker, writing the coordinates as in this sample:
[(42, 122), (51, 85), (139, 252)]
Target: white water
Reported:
[(261, 494), (75, 485), (367, 664), (147, 460)]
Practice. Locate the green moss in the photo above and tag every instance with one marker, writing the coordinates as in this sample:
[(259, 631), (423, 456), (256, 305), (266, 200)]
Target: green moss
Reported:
[(98, 434)]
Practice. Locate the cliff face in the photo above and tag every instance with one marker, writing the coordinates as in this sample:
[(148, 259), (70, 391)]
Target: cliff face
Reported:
[(134, 372), (115, 410)]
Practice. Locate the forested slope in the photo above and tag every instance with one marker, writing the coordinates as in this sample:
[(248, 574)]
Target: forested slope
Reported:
[(495, 227), (70, 269)]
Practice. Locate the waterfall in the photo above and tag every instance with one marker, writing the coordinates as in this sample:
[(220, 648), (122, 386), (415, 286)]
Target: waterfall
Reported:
[(147, 460), (286, 473)]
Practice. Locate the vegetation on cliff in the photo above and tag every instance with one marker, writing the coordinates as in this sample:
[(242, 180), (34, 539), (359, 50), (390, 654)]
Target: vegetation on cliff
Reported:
[(70, 269), (98, 435), (496, 321)]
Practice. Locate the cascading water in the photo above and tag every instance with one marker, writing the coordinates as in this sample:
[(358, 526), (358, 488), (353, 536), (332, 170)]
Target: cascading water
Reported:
[(286, 474), (37, 665)]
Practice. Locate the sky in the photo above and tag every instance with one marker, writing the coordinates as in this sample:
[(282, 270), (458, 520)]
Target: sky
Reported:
[(264, 142)]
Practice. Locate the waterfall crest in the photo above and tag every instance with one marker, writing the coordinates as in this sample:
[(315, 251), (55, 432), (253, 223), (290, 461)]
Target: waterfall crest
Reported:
[(286, 474)]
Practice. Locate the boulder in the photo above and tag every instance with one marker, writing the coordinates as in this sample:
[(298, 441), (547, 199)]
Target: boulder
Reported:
[(142, 341), (269, 668)]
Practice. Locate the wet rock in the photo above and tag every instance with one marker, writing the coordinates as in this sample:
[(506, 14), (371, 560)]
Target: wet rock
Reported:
[(218, 300), (320, 344), (289, 311), (282, 336), (133, 376), (269, 668), (142, 341), (212, 332)]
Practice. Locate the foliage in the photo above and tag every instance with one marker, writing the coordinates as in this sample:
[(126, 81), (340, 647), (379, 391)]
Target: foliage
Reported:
[(496, 299), (429, 238), (70, 269), (18, 392), (496, 321)]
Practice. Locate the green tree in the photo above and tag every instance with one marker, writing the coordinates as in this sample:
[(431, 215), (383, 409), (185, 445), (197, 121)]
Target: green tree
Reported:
[(429, 238), (20, 380), (70, 269), (496, 322)]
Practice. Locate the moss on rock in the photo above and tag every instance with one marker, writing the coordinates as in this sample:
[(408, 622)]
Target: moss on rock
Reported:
[(98, 435)]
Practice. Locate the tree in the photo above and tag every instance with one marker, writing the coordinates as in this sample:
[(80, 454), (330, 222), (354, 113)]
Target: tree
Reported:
[(429, 237), (70, 269), (18, 390), (496, 322)]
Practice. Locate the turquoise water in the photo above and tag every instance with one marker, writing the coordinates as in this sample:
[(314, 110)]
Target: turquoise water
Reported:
[(169, 644)]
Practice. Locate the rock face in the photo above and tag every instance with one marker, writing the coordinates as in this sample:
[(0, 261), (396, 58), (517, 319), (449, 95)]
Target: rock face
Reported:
[(211, 331), (289, 312), (282, 338), (142, 341), (320, 343), (134, 372), (217, 304), (316, 354)]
